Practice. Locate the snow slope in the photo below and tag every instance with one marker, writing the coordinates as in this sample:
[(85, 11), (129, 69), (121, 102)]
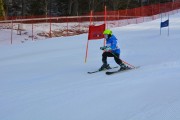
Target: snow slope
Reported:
[(48, 80)]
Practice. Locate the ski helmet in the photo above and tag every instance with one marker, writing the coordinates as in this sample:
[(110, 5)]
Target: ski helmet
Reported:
[(107, 32)]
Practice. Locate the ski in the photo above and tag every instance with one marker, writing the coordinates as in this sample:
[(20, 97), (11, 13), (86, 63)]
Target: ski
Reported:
[(118, 71), (101, 70)]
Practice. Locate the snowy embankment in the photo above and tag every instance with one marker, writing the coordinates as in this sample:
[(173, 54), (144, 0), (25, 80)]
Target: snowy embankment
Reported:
[(48, 80)]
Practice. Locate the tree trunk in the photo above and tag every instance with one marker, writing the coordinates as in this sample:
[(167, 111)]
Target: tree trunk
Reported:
[(46, 7), (73, 7)]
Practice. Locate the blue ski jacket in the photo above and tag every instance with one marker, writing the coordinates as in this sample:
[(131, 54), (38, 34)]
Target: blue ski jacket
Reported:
[(113, 44)]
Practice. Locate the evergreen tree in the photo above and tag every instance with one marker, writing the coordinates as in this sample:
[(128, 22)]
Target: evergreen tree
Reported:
[(69, 7)]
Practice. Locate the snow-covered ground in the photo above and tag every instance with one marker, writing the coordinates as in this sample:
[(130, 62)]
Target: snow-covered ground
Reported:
[(48, 80)]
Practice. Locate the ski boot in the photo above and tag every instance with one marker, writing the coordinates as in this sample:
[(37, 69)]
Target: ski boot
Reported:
[(105, 66), (123, 67)]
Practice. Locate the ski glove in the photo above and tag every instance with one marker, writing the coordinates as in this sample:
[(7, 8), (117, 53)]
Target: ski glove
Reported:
[(103, 48), (106, 48)]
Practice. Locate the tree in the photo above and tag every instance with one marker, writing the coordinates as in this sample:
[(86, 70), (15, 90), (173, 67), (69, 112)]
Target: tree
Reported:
[(37, 8), (62, 7), (69, 7), (73, 7), (2, 13)]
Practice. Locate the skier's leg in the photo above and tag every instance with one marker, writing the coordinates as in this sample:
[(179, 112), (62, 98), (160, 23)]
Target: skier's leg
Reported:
[(119, 62), (117, 59), (104, 61)]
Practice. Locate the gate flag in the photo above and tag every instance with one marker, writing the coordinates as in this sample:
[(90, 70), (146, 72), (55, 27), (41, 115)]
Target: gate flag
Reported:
[(96, 32), (165, 23)]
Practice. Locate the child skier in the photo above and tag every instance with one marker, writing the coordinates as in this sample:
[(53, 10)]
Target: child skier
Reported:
[(111, 50)]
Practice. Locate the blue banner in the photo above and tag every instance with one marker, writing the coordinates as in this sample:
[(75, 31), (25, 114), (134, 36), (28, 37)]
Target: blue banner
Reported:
[(165, 23)]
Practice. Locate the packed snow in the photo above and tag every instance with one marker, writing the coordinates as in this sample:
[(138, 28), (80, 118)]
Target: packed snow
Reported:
[(48, 80)]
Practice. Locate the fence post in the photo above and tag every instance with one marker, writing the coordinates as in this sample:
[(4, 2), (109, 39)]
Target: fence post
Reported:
[(11, 29), (50, 35), (79, 20), (32, 29), (67, 26)]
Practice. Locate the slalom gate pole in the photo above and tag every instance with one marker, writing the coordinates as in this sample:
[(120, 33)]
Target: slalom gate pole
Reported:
[(128, 64), (86, 51)]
